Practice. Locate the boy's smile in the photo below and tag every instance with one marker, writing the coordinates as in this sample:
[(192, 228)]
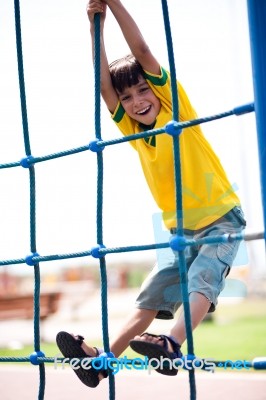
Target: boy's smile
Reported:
[(145, 111), (140, 103)]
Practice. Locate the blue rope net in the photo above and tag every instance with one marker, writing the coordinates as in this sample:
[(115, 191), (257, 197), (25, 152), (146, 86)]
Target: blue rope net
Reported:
[(99, 251)]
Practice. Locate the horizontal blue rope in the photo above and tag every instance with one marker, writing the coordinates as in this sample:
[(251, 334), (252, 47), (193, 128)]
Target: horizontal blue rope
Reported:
[(104, 251), (10, 165), (258, 363), (246, 108)]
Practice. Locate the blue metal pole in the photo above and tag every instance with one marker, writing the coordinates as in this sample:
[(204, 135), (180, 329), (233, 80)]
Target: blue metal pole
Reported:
[(257, 32)]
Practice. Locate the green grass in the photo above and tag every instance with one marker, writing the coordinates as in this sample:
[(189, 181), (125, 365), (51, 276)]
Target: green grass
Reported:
[(237, 332), (243, 339), (49, 349)]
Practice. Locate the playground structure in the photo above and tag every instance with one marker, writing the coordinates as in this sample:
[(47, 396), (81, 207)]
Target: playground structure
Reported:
[(257, 16)]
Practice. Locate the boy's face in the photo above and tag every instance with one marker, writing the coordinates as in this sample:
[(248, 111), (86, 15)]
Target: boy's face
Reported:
[(140, 103)]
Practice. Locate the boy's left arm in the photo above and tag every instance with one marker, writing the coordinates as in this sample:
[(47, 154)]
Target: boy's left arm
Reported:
[(108, 92)]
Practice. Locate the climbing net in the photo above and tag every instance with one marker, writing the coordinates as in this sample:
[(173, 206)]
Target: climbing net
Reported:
[(99, 251)]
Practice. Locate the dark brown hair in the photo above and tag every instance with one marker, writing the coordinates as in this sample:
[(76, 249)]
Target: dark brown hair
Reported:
[(125, 72)]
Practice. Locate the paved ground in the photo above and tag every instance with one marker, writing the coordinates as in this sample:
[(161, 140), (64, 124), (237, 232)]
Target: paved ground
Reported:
[(22, 383), (80, 316)]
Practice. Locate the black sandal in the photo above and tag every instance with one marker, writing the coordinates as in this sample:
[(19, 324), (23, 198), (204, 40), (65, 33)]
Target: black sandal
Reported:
[(158, 352), (70, 347)]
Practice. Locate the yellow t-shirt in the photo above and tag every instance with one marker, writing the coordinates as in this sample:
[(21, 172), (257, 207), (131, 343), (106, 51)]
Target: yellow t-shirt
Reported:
[(207, 194)]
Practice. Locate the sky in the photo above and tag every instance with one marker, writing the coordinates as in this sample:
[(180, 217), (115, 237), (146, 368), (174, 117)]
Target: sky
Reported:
[(211, 45)]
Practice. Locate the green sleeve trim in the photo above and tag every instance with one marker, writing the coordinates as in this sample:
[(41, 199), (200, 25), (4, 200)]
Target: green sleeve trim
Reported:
[(157, 80), (119, 113)]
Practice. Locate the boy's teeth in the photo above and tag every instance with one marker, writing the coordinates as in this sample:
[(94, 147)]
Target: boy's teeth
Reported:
[(143, 111)]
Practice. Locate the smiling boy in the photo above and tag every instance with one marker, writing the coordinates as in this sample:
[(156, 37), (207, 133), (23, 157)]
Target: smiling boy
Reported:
[(137, 92)]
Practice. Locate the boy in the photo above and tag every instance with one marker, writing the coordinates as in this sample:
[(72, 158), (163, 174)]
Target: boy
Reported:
[(136, 90)]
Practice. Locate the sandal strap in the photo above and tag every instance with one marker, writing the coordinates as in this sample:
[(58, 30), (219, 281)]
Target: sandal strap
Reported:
[(79, 339), (168, 338), (98, 350), (176, 346)]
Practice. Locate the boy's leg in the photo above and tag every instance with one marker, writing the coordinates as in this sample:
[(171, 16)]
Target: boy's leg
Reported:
[(138, 322), (199, 306)]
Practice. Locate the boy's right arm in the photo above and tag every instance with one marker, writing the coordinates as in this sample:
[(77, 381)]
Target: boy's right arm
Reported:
[(133, 37), (108, 92)]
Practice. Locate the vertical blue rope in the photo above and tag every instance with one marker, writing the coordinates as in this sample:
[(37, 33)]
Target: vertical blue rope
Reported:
[(179, 206), (171, 59), (23, 102), (97, 121), (25, 125)]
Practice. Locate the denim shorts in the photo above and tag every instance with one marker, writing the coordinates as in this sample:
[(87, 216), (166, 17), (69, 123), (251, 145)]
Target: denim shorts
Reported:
[(207, 267)]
